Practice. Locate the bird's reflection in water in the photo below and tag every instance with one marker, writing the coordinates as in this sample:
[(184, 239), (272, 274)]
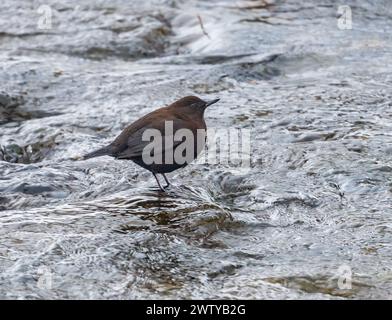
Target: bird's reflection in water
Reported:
[(183, 210)]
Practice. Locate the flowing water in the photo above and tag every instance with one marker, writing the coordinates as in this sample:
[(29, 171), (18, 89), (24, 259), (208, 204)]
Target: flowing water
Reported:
[(310, 218)]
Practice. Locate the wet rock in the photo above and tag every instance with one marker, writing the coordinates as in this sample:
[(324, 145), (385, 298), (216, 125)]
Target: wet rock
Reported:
[(234, 184), (10, 101), (213, 86), (148, 39), (8, 105), (32, 189), (308, 137), (31, 153), (258, 70)]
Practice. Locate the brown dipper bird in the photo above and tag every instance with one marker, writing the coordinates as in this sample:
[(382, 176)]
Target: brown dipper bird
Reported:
[(134, 141)]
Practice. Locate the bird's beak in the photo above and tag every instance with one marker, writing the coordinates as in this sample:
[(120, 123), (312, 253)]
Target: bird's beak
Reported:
[(208, 103)]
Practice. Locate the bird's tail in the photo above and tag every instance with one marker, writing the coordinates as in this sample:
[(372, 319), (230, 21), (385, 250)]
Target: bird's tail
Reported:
[(105, 151)]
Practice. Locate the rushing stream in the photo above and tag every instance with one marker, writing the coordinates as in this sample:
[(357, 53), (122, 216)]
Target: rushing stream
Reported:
[(313, 206)]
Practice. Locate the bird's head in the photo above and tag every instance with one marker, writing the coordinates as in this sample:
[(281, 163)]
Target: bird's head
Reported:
[(192, 105)]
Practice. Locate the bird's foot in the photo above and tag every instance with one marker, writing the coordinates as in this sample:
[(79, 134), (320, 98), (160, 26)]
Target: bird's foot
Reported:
[(164, 188), (166, 180)]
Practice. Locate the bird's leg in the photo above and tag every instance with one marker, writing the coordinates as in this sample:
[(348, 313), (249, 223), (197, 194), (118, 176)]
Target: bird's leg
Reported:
[(167, 181), (159, 184)]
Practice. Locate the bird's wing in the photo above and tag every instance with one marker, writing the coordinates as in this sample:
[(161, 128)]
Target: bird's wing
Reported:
[(138, 148), (139, 145)]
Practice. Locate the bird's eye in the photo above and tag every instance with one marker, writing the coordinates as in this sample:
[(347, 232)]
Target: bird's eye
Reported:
[(196, 105)]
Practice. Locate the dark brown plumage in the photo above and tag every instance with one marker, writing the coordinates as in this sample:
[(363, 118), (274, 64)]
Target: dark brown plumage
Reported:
[(186, 113)]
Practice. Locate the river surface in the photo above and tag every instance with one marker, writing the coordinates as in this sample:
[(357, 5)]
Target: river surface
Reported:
[(309, 218)]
